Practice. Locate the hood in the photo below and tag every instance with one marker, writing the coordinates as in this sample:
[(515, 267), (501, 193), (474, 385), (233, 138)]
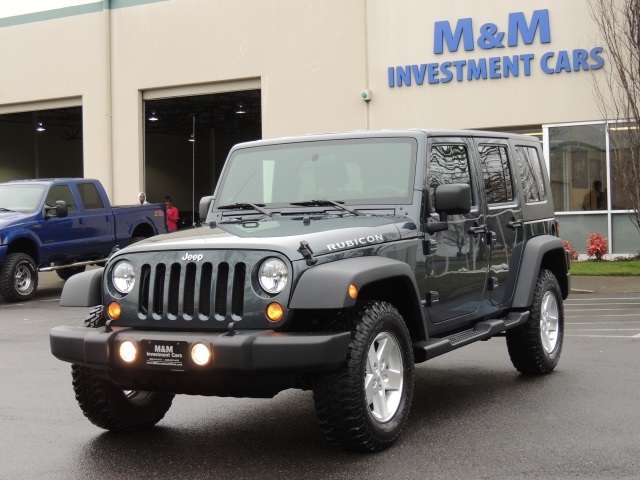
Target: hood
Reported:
[(11, 218), (324, 234)]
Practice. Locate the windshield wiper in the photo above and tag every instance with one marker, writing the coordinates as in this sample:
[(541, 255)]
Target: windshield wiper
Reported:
[(246, 206), (326, 203), (2, 209)]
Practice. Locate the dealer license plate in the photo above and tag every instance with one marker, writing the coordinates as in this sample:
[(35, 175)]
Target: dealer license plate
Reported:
[(165, 355)]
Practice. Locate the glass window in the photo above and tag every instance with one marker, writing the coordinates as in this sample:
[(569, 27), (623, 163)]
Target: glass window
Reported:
[(448, 164), (577, 228), (356, 171), (496, 173), (61, 192), (624, 235), (578, 167), (532, 182), (90, 196), (624, 166), (20, 198)]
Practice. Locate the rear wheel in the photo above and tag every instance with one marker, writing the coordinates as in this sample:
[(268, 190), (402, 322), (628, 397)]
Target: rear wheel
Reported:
[(67, 273), (535, 347), (365, 405), (18, 277)]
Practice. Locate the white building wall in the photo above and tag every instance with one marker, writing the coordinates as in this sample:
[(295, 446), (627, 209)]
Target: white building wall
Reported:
[(311, 59)]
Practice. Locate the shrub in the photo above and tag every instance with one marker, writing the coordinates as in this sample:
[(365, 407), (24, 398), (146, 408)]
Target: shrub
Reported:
[(596, 246), (573, 255)]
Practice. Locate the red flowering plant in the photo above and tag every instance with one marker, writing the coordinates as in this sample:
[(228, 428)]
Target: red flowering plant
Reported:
[(573, 255), (596, 246)]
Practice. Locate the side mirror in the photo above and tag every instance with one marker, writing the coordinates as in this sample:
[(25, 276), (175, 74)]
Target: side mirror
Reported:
[(59, 211), (204, 207), (451, 199)]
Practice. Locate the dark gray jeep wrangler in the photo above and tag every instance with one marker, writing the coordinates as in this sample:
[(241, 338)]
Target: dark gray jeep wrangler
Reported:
[(332, 263)]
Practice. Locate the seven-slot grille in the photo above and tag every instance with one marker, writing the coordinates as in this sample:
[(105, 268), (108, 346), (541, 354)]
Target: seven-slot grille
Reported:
[(192, 290)]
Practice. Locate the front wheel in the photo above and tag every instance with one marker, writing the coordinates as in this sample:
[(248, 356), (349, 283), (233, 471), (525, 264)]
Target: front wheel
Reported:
[(365, 405), (18, 277), (535, 347), (108, 406)]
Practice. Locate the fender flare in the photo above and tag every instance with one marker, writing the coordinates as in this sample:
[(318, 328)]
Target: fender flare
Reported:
[(24, 234), (326, 286), (83, 289), (534, 252)]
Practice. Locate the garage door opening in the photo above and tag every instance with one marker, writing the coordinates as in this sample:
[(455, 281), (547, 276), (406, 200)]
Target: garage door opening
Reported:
[(41, 144), (187, 139)]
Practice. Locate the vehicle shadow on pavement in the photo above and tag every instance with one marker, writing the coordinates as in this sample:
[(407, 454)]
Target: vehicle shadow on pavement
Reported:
[(453, 408)]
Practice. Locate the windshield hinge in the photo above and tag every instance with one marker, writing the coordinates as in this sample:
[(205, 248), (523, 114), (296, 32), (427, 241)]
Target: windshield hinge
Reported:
[(307, 253)]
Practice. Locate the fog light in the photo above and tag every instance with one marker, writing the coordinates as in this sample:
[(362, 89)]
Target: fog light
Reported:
[(113, 310), (128, 351), (200, 354), (353, 291), (274, 312)]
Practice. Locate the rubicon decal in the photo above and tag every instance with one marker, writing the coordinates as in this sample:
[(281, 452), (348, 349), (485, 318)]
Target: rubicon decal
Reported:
[(355, 242)]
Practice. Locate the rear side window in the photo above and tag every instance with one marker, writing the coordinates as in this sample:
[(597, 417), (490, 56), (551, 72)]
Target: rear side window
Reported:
[(530, 174), (61, 192), (496, 173), (90, 196), (448, 164)]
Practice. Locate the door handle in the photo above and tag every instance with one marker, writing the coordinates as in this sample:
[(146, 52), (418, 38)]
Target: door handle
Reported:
[(513, 224), (477, 230)]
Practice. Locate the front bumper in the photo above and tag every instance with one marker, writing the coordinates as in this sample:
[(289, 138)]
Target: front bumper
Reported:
[(244, 352)]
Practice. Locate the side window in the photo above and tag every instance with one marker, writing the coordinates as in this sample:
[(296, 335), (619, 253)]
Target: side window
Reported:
[(90, 196), (61, 192), (531, 174), (448, 164), (496, 173)]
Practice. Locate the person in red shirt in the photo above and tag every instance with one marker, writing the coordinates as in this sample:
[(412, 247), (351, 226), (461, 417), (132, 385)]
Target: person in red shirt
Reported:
[(172, 215)]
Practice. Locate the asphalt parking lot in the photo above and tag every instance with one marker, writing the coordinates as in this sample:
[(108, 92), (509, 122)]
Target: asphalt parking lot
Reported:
[(473, 415)]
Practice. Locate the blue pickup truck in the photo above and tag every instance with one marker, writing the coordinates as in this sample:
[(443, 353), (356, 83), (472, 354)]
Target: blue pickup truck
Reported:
[(63, 225)]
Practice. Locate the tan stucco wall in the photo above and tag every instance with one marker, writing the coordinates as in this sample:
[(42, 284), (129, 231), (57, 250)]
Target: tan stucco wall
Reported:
[(311, 60)]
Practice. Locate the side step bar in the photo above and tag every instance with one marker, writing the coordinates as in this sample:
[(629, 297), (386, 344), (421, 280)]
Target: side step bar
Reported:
[(434, 347), (77, 264)]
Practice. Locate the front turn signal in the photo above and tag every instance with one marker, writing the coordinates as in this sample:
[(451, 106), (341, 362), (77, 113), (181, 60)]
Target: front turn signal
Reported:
[(274, 312), (114, 310)]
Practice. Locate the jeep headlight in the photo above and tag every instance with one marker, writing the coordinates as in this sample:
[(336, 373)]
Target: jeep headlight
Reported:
[(273, 275), (123, 277)]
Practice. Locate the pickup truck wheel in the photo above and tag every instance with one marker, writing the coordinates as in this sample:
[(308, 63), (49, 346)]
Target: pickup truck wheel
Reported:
[(535, 347), (67, 273), (110, 407), (365, 404), (18, 277)]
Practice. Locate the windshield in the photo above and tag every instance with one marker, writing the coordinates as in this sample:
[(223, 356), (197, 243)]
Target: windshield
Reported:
[(20, 198), (355, 171)]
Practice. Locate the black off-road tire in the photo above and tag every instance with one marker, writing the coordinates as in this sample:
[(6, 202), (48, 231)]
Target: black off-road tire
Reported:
[(345, 414), (535, 347), (18, 277), (67, 273), (108, 406)]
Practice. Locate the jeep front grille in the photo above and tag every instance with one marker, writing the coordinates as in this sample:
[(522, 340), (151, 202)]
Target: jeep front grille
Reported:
[(190, 290)]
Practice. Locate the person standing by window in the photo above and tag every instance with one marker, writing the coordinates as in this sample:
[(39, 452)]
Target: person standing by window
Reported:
[(172, 214), (594, 199)]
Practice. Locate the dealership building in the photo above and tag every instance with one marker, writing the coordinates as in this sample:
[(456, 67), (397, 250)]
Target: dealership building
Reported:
[(150, 95)]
